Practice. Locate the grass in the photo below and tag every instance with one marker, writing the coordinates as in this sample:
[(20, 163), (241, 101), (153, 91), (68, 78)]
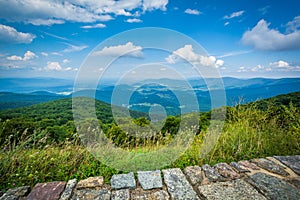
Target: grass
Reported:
[(53, 163), (248, 133)]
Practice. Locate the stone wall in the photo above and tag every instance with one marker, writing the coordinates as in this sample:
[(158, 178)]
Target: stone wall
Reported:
[(275, 177)]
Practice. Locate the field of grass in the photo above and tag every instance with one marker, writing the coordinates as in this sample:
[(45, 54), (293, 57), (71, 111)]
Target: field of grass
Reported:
[(248, 132)]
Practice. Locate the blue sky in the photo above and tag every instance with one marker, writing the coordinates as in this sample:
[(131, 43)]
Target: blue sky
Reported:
[(52, 38)]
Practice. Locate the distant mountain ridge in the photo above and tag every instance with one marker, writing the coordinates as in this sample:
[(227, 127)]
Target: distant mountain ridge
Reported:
[(144, 95), (15, 100)]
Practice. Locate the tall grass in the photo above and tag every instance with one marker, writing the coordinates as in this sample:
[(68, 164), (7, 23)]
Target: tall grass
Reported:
[(248, 133)]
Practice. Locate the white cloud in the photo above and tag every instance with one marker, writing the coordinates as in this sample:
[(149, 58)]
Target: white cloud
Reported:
[(56, 36), (128, 49), (11, 35), (234, 53), (263, 38), (220, 62), (55, 66), (27, 56), (226, 23), (234, 14), (257, 68), (293, 25), (44, 54), (155, 4), (94, 26), (187, 53), (264, 10), (242, 69), (56, 53), (192, 11), (280, 64), (74, 48), (14, 57), (48, 12), (46, 22), (133, 20), (66, 61)]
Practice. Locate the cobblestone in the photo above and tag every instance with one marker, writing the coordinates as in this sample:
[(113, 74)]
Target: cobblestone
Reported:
[(239, 180)]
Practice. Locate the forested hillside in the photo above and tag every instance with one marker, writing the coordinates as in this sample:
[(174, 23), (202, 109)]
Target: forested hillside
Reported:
[(40, 143)]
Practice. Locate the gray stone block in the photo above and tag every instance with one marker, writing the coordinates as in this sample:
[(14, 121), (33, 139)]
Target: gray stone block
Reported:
[(235, 189), (292, 162), (178, 186), (150, 179), (67, 194), (211, 174), (123, 181), (273, 187), (15, 193), (239, 168), (91, 194), (120, 194), (270, 166)]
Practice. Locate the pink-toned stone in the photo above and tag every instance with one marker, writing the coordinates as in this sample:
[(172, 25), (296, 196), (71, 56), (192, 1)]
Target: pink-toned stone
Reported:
[(270, 166), (248, 165), (91, 182), (47, 191), (226, 171), (193, 174), (239, 168)]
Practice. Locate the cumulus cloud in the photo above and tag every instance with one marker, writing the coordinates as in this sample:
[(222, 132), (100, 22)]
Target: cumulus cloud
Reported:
[(278, 66), (66, 61), (14, 57), (55, 66), (187, 53), (293, 25), (128, 49), (263, 38), (11, 35), (257, 68), (242, 69), (155, 4), (282, 65), (133, 20), (94, 26), (27, 56), (48, 12), (192, 11), (234, 14)]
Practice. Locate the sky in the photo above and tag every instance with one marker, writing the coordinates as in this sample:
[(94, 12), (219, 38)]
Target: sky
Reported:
[(53, 38)]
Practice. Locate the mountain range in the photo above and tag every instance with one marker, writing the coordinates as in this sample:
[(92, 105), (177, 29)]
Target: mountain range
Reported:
[(147, 94)]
